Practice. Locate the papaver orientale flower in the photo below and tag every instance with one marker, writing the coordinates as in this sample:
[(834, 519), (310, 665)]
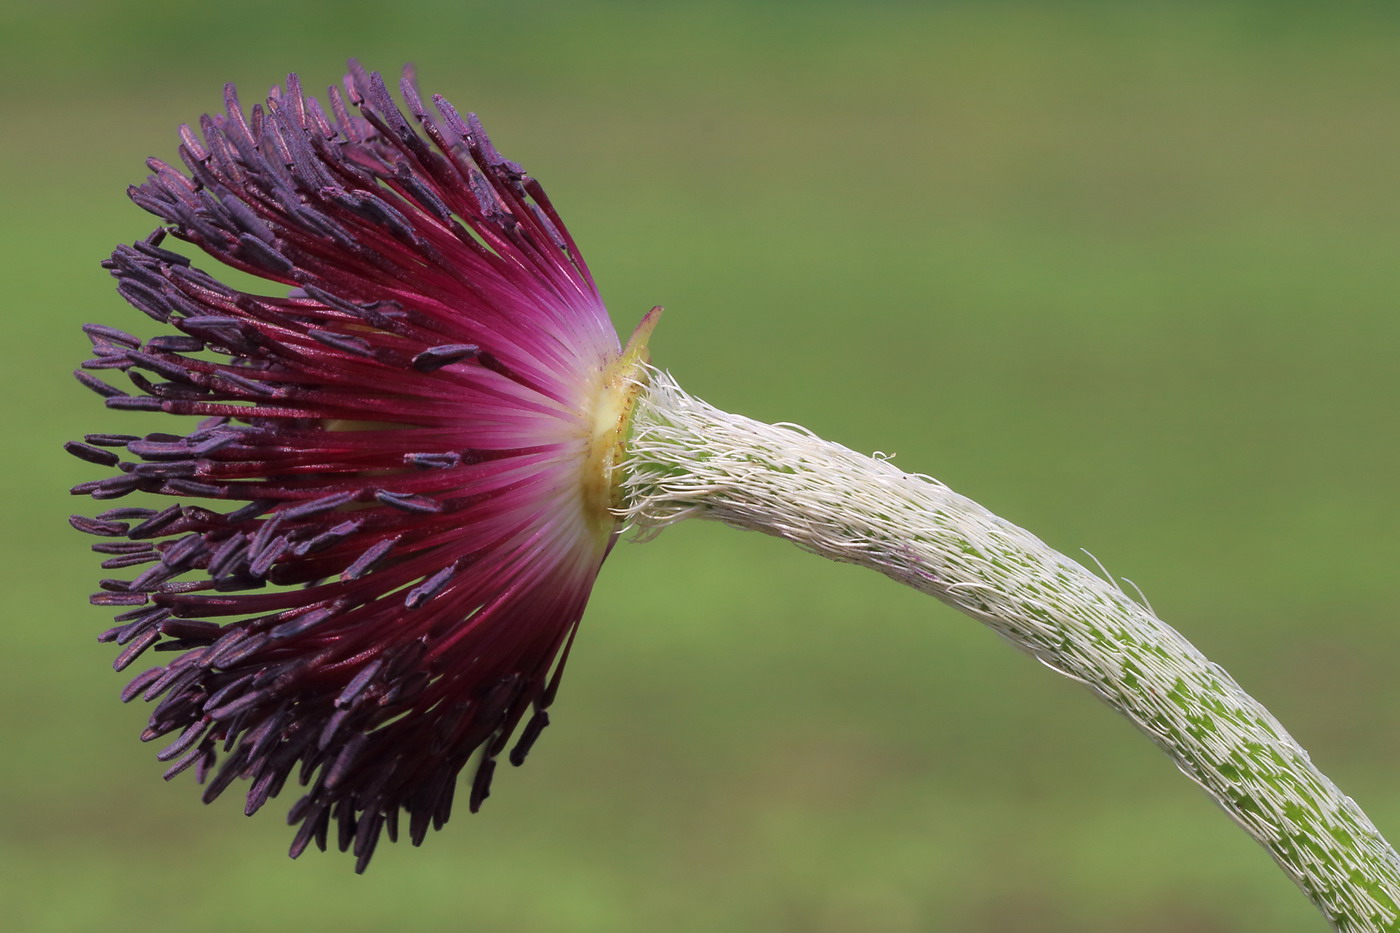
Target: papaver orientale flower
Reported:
[(396, 497), (412, 457)]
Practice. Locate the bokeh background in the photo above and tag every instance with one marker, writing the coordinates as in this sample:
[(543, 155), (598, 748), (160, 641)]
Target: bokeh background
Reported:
[(1126, 273)]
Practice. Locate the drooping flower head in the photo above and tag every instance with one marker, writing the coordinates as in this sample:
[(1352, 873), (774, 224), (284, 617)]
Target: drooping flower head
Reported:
[(401, 459)]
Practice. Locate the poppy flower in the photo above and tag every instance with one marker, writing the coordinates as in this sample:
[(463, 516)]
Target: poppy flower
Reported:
[(394, 501), (410, 463)]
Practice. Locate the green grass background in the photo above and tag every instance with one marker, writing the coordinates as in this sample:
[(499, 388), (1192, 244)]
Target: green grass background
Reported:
[(1125, 273)]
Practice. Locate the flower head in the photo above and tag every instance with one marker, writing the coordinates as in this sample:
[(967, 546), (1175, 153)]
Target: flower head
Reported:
[(400, 463)]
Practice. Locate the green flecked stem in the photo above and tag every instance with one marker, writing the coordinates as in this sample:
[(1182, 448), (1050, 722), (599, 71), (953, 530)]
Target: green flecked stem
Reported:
[(689, 459)]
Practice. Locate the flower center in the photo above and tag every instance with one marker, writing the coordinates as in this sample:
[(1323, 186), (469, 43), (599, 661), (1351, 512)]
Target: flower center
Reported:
[(622, 383)]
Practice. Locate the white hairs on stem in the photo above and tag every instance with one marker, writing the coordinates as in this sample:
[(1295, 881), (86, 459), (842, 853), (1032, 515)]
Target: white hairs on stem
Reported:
[(687, 459)]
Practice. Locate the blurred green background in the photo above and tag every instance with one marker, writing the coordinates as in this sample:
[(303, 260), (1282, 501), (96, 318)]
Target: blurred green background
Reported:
[(1123, 272)]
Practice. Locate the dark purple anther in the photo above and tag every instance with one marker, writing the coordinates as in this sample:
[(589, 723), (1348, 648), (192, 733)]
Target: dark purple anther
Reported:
[(445, 355)]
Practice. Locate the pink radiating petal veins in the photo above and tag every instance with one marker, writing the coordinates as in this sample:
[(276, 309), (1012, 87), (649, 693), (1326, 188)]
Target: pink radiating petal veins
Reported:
[(402, 436)]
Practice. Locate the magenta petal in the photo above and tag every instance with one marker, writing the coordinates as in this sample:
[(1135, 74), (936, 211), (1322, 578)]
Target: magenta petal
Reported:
[(402, 436)]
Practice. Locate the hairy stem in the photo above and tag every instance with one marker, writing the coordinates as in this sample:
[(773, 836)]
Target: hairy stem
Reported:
[(688, 459)]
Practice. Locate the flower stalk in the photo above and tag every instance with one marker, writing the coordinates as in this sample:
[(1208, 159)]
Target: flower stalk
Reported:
[(688, 459)]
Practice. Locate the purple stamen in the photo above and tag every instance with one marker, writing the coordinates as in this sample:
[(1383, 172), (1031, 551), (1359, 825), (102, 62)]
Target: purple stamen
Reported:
[(402, 555)]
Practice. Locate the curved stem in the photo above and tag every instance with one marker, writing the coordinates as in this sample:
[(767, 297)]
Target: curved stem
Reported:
[(689, 459)]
